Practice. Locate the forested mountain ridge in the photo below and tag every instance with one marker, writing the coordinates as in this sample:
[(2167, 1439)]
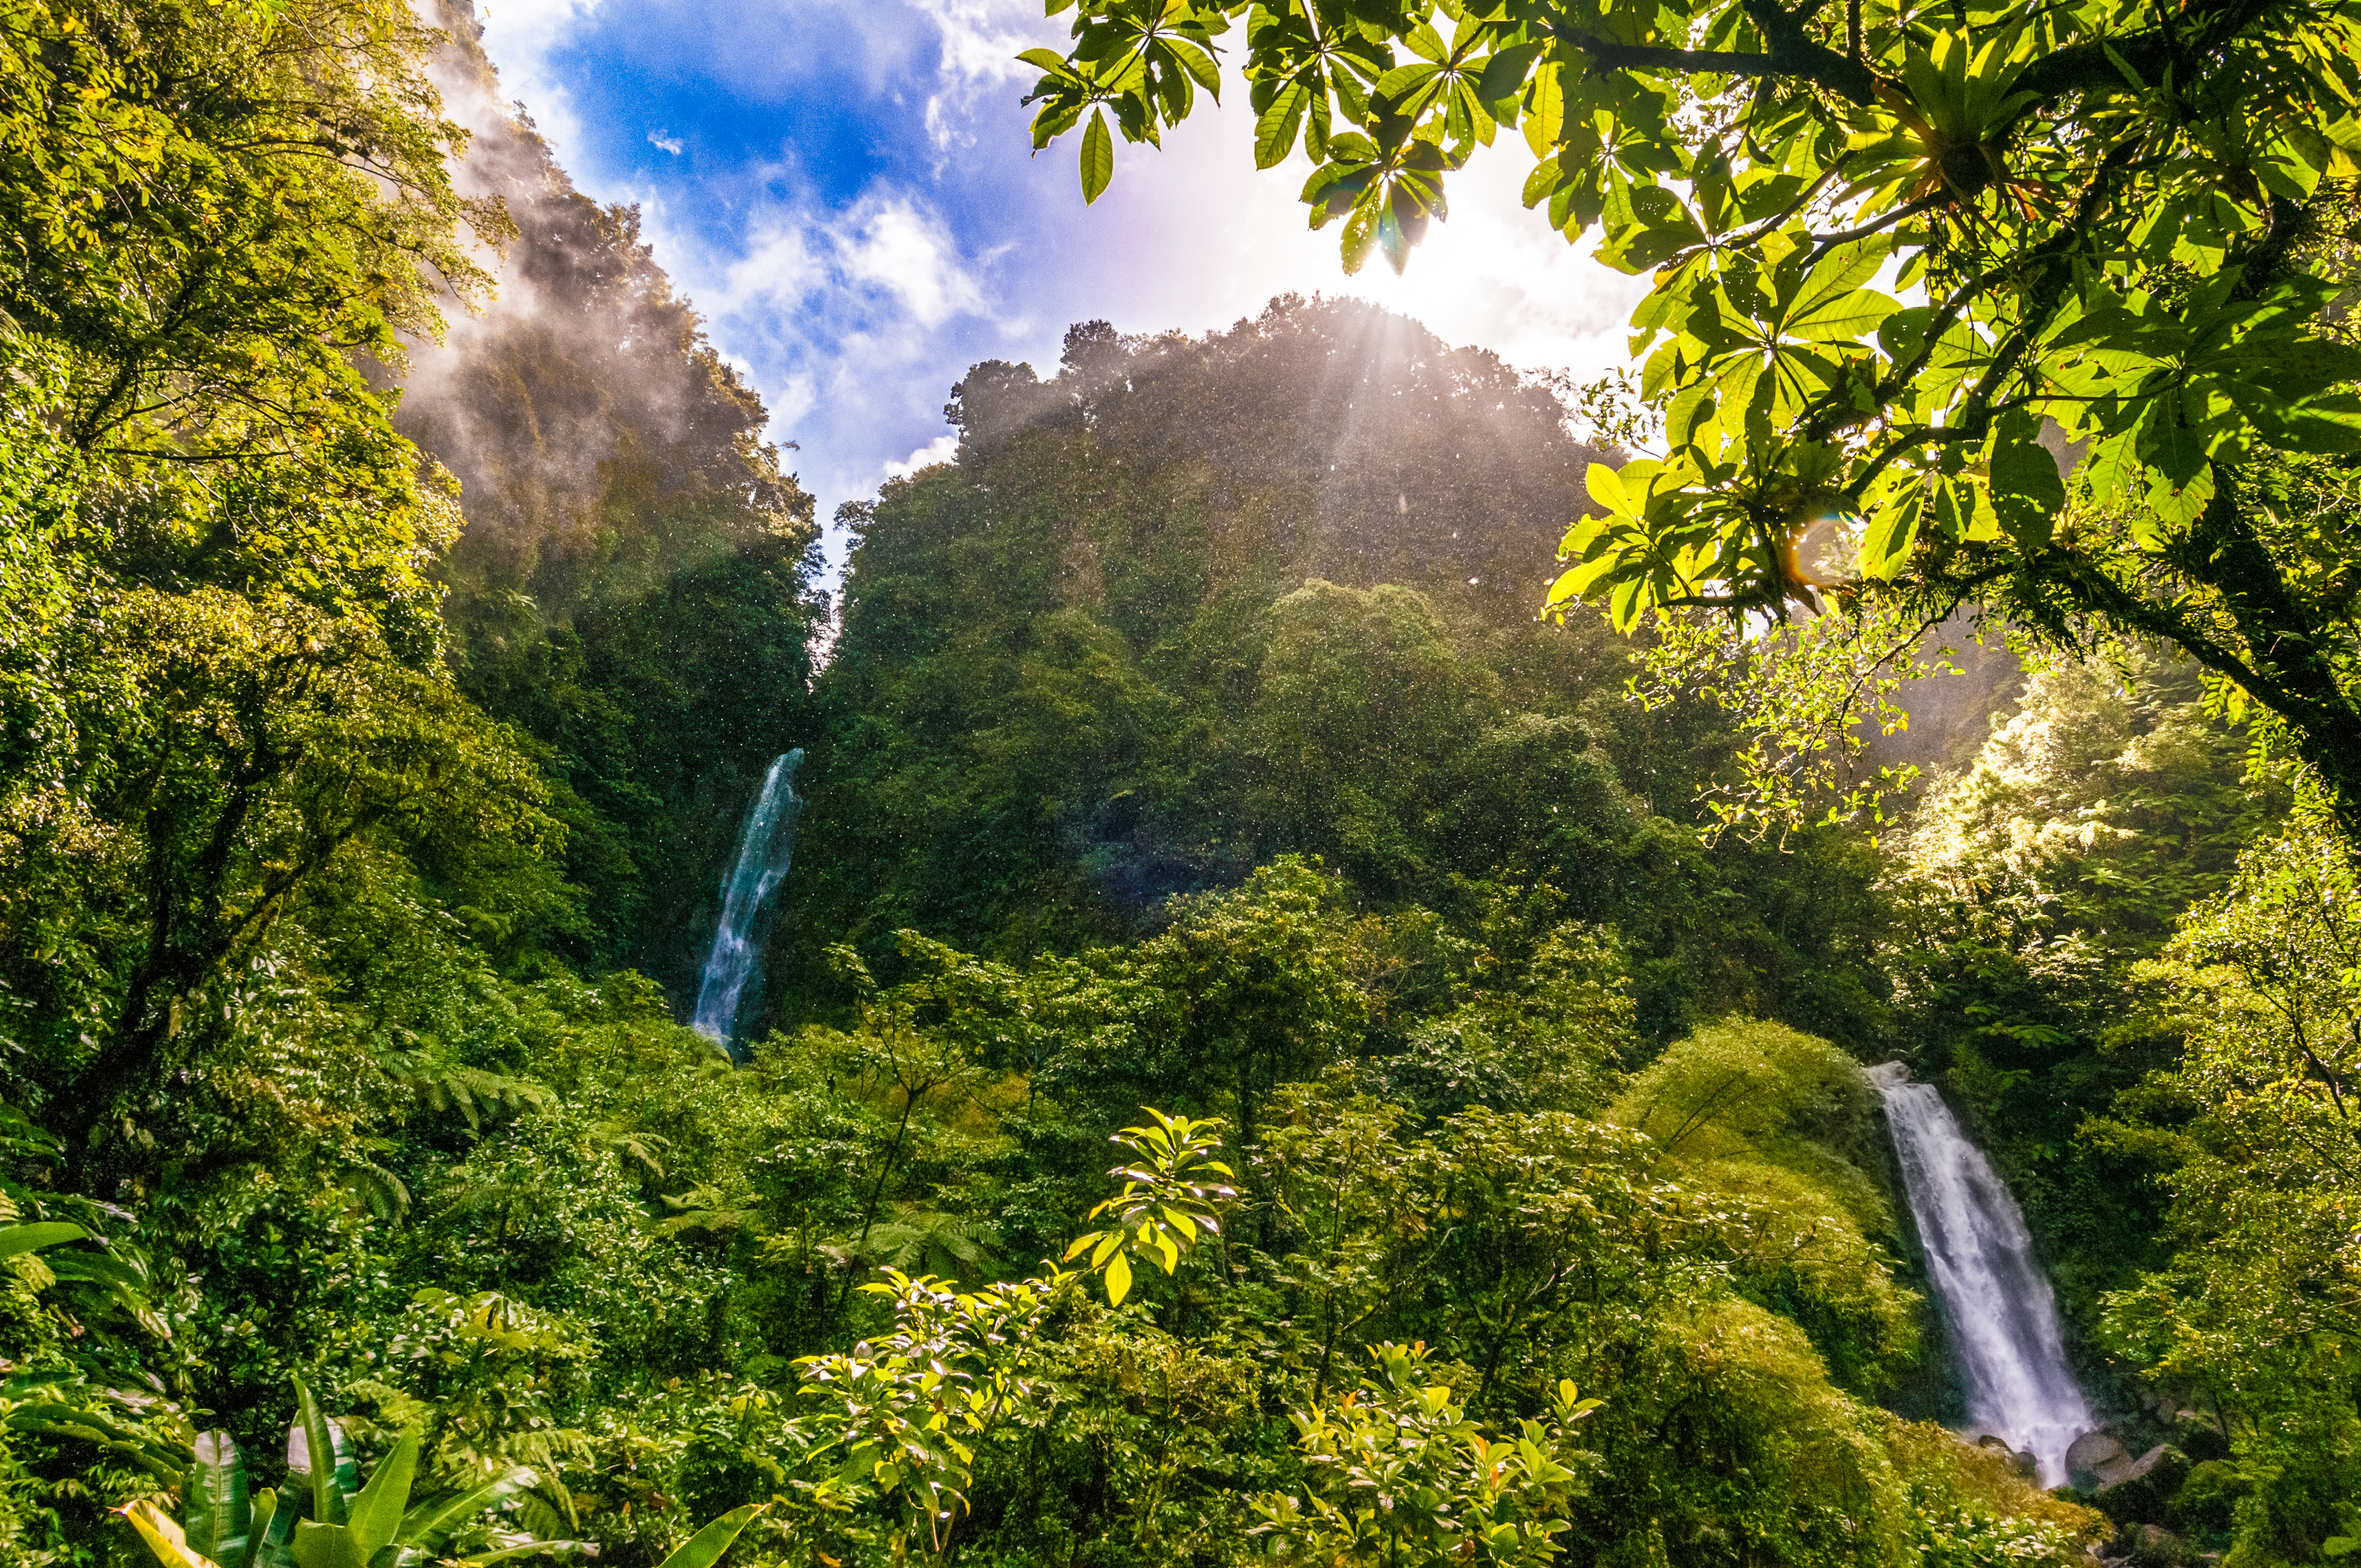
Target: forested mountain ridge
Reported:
[(1497, 1180), (1192, 603)]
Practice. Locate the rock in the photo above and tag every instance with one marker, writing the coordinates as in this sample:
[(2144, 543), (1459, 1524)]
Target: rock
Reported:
[(2207, 1502), (2199, 1436), (2086, 1454), (2021, 1463), (2137, 1490), (2153, 1546)]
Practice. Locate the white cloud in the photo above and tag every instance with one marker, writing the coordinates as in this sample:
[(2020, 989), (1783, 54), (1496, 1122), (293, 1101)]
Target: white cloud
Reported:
[(941, 449), (854, 321), (665, 143), (521, 37), (981, 38), (911, 254), (777, 269), (886, 257)]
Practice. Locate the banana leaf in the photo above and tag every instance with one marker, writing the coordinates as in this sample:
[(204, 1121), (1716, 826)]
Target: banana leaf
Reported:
[(275, 1548), (705, 1548), (217, 1512), (316, 1447), (163, 1536), (377, 1511), (258, 1533)]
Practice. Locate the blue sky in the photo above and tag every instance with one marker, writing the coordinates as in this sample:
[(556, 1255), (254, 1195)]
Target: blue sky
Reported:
[(845, 189)]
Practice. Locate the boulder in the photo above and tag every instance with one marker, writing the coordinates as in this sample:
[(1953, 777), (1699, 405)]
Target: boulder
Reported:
[(2086, 1458), (2153, 1546), (2200, 1436), (2021, 1463), (2137, 1491)]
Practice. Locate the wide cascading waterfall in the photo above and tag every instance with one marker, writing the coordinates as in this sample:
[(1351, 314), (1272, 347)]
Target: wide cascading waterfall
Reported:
[(2002, 1313), (764, 851)]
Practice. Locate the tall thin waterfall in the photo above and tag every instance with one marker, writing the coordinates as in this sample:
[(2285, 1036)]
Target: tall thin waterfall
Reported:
[(764, 851), (2002, 1316)]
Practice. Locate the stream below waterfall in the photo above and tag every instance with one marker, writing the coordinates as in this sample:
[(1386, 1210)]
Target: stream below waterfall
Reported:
[(1998, 1305)]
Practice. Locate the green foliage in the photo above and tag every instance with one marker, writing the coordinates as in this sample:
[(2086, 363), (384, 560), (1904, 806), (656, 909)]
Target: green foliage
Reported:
[(351, 1524), (1170, 1200), (1194, 604), (2109, 802), (2031, 883), (1780, 1123), (161, 247), (632, 587), (1397, 1473), (2252, 1126), (1189, 742), (2121, 229)]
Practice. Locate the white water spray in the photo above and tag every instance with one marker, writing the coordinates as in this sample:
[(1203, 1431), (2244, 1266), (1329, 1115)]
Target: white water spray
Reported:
[(764, 851), (2002, 1313)]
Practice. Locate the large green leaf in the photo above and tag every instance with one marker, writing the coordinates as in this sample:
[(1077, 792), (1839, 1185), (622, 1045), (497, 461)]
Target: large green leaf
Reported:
[(430, 1521), (327, 1546), (265, 1520), (217, 1512), (705, 1548), (16, 1239), (327, 1458), (163, 1536), (2027, 489), (275, 1547), (1098, 158), (377, 1511)]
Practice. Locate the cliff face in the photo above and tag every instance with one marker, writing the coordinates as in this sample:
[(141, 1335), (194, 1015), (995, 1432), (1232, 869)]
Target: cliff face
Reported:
[(600, 443), (634, 585)]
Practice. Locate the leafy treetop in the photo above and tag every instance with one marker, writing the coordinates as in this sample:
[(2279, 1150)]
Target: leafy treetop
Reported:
[(2123, 223)]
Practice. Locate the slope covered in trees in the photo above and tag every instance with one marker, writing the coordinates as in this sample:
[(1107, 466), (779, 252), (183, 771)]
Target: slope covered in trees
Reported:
[(1190, 604)]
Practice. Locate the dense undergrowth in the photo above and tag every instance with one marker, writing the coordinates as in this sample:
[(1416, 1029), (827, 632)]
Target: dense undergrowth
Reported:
[(1496, 1178)]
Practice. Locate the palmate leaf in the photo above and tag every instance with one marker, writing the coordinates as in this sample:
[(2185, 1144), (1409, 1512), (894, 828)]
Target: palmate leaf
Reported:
[(1892, 532), (2027, 490), (1847, 318), (1276, 128)]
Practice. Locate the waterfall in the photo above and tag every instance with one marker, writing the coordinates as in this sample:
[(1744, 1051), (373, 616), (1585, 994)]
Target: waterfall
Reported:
[(764, 851), (2002, 1316)]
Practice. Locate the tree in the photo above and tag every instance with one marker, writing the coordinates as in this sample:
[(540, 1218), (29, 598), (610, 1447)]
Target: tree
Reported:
[(221, 208), (2257, 1310), (2118, 228)]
